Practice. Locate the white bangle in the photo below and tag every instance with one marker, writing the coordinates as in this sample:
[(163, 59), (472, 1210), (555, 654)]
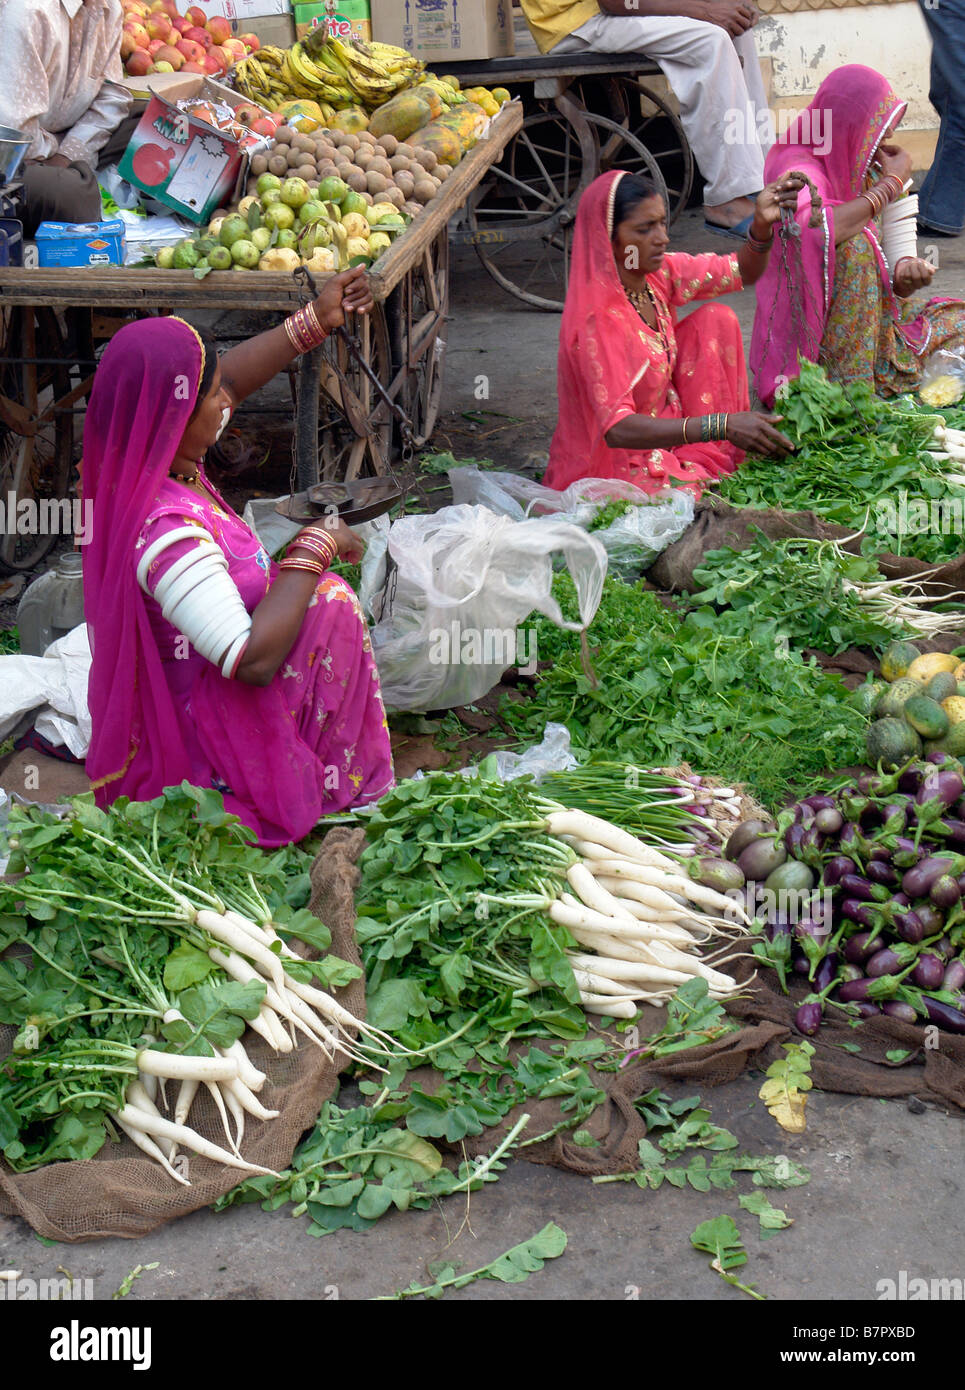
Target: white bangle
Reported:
[(180, 533), (221, 631), (212, 616), (233, 655), (163, 586), (198, 574)]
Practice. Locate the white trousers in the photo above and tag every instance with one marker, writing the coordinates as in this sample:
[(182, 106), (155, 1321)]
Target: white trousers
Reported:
[(716, 80)]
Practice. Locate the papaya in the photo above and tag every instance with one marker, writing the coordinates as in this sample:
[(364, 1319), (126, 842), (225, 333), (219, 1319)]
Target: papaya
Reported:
[(444, 143), (430, 94), (351, 120), (303, 116), (401, 117), (467, 121)]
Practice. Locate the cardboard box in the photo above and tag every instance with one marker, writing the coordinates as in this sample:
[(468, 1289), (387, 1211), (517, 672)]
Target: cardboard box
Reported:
[(442, 30), (344, 19), (185, 163), (80, 243)]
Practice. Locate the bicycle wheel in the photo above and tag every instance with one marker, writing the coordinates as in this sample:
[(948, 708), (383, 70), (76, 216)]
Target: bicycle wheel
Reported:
[(521, 219), (34, 467)]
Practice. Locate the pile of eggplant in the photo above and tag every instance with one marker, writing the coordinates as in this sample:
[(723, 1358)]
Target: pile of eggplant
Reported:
[(883, 926)]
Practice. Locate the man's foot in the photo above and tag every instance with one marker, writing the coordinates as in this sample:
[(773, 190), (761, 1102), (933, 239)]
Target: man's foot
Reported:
[(728, 214)]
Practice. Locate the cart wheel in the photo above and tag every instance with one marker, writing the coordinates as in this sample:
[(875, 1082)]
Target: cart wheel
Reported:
[(659, 130), (420, 330), (354, 426), (32, 466), (523, 216)]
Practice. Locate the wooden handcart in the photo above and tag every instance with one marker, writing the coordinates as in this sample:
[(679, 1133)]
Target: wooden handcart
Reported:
[(358, 399), (585, 114)]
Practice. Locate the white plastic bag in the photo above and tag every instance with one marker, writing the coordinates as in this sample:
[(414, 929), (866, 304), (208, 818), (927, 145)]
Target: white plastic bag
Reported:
[(55, 685), (632, 542), (457, 585)]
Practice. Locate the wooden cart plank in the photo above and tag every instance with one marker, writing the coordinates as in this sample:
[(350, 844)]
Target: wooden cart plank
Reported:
[(530, 67)]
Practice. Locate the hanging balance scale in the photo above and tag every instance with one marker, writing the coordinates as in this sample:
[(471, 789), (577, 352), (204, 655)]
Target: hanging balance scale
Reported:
[(362, 499)]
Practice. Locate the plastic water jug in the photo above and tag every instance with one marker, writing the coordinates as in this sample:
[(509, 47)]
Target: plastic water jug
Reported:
[(52, 606)]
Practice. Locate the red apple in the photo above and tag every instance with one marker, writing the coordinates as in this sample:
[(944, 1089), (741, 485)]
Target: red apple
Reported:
[(196, 16), (139, 34), (168, 54), (138, 63), (192, 51), (251, 42), (193, 67), (127, 45), (167, 7), (133, 9), (160, 67), (158, 26), (219, 28), (213, 64), (225, 58), (180, 24), (200, 36), (236, 47), (154, 45)]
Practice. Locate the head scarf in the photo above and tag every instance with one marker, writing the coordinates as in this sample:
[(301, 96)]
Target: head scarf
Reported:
[(145, 390), (834, 142)]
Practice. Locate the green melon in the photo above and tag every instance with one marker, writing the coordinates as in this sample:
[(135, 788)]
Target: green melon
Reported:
[(941, 686), (866, 697), (892, 702), (926, 716), (891, 742), (897, 659), (952, 743)]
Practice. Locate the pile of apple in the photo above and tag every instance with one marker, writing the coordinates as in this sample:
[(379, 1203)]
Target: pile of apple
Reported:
[(156, 38)]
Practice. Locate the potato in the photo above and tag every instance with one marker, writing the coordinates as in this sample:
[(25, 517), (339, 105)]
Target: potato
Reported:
[(259, 164), (376, 182), (381, 166), (424, 191), (278, 164), (405, 183), (389, 143)]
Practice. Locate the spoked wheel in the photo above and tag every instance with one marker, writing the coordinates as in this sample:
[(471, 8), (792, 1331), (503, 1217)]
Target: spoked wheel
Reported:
[(36, 444), (420, 331), (649, 118), (522, 217), (354, 425)]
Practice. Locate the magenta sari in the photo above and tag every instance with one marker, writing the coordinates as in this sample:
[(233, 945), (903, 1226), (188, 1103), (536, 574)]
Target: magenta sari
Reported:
[(313, 741), (834, 142)]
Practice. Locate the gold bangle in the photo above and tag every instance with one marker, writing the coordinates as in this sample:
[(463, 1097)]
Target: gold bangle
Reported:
[(685, 429), (295, 563)]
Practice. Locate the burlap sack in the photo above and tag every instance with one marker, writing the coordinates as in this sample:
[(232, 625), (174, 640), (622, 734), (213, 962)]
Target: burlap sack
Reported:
[(121, 1192), (717, 524)]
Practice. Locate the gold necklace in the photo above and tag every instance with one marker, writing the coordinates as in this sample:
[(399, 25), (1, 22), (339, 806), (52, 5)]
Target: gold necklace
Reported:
[(187, 478), (638, 300)]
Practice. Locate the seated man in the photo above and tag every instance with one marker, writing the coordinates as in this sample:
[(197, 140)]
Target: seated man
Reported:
[(60, 73), (706, 51)]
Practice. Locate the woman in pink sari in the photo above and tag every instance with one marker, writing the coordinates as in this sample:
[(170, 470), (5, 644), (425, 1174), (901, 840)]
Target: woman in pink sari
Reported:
[(212, 663), (829, 295), (643, 397)]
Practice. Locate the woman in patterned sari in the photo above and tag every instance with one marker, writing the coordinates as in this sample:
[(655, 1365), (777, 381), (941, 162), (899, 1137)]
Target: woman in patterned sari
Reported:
[(211, 662), (643, 397), (831, 296)]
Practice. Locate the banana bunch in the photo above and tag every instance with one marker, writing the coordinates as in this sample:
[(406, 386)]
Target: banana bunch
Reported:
[(315, 80), (325, 70)]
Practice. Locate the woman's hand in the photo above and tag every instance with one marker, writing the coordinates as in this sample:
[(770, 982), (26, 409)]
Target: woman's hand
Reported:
[(348, 293), (349, 546), (911, 274), (892, 159), (781, 194), (754, 432)]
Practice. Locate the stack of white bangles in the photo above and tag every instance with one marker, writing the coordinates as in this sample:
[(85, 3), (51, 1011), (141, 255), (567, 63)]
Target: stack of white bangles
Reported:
[(899, 229), (199, 597)]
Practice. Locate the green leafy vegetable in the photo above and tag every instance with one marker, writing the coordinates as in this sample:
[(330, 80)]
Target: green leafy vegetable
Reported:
[(512, 1267)]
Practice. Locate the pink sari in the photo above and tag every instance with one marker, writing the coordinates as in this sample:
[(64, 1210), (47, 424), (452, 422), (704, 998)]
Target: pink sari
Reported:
[(313, 741), (612, 364), (834, 142)]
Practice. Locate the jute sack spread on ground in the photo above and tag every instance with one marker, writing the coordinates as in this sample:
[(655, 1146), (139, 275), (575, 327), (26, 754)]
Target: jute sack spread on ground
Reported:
[(121, 1192), (766, 1016), (717, 524)]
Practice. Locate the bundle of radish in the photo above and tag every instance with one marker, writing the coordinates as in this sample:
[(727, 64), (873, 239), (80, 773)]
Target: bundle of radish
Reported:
[(146, 966), (881, 865), (485, 907)]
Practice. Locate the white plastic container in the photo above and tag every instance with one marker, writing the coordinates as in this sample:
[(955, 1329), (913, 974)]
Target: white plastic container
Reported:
[(52, 606)]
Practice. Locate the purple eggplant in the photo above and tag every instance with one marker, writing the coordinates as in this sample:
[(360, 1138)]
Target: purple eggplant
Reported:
[(859, 947), (929, 971), (905, 854), (895, 1008), (793, 838), (944, 947), (945, 891), (950, 828), (867, 1008), (820, 801), (917, 881), (761, 857), (851, 972), (836, 868), (857, 911), (884, 962), (804, 814), (857, 886), (807, 1019), (850, 838), (954, 977), (745, 833), (909, 927), (932, 919), (900, 900), (939, 790), (953, 1020), (880, 872), (853, 991), (826, 971), (911, 777), (828, 821), (801, 964)]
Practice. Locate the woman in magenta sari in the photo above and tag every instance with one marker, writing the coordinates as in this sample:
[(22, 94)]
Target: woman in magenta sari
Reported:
[(835, 300), (210, 661), (643, 397)]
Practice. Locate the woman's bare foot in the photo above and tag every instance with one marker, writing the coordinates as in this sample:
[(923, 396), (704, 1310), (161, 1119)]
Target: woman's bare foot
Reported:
[(729, 214)]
